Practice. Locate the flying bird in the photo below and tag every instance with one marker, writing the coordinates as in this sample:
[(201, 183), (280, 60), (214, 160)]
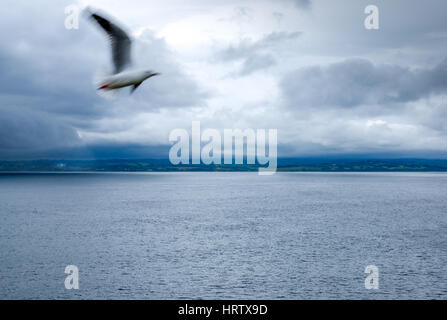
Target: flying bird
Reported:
[(121, 45)]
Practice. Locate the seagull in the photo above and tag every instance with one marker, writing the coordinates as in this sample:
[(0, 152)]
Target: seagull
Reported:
[(121, 45)]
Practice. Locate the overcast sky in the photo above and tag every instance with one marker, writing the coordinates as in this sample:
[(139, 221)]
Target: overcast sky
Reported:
[(308, 68)]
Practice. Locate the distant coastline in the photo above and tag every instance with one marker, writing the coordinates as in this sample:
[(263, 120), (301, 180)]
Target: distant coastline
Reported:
[(284, 164)]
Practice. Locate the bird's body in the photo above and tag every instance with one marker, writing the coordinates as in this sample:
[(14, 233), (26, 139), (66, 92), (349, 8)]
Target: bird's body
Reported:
[(125, 79), (121, 56)]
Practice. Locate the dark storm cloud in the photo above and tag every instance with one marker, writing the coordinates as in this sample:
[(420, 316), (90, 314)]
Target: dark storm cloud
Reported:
[(255, 55), (41, 84), (24, 131), (357, 82)]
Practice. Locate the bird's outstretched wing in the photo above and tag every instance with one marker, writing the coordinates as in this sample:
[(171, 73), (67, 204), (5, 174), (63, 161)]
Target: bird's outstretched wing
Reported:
[(121, 42)]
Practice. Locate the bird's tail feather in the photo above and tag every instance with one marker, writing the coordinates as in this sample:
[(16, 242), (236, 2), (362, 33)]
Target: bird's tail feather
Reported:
[(98, 82)]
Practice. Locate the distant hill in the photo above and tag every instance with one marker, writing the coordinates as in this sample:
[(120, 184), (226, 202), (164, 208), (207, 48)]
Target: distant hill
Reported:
[(284, 164)]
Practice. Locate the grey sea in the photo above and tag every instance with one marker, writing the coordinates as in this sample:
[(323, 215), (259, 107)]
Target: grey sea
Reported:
[(223, 235)]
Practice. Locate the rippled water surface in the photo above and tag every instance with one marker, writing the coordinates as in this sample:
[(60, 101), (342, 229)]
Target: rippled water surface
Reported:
[(223, 235)]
